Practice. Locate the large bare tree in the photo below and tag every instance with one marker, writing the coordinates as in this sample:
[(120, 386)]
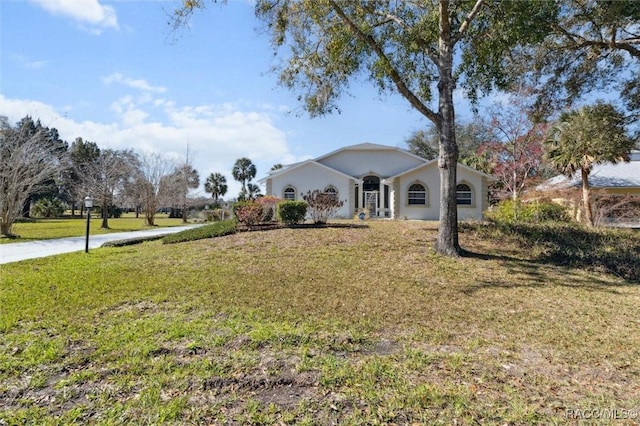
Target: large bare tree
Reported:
[(404, 47), (152, 184), (83, 156), (29, 161), (107, 177), (183, 179), (515, 152)]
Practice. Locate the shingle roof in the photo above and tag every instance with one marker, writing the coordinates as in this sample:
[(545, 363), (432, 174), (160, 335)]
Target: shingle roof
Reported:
[(620, 175)]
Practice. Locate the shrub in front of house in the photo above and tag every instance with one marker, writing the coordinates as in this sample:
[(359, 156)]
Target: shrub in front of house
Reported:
[(322, 205), (510, 211), (216, 229), (291, 212), (248, 212), (269, 203)]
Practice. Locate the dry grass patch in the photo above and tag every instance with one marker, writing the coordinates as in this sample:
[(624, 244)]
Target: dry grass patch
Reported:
[(314, 326)]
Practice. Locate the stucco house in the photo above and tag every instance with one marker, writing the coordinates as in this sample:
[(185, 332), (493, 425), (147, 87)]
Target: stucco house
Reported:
[(386, 181)]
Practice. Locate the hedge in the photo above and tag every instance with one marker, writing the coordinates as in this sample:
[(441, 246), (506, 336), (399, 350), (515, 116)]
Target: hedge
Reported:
[(218, 229)]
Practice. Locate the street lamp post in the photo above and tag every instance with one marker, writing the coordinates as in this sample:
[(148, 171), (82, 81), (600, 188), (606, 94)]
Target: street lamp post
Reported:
[(88, 203)]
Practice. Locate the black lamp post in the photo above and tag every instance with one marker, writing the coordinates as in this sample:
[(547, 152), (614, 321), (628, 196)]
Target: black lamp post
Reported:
[(88, 203)]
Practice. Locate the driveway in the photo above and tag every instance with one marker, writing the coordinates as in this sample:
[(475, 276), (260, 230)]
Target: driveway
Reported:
[(15, 252)]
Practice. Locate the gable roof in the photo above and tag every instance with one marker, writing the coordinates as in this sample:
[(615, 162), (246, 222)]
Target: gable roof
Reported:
[(292, 167), (430, 162), (607, 175), (368, 146)]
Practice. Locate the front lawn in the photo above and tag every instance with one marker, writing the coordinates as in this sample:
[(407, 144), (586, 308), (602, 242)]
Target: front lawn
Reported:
[(317, 326), (45, 229)]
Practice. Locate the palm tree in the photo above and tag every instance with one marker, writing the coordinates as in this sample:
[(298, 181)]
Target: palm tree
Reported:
[(592, 135), (243, 171), (253, 191), (216, 185)]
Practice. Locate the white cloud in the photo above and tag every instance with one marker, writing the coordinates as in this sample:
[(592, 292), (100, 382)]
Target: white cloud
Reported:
[(29, 64), (83, 12), (216, 135), (139, 84)]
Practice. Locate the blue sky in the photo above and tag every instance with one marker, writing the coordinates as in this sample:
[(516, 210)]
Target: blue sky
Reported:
[(113, 73)]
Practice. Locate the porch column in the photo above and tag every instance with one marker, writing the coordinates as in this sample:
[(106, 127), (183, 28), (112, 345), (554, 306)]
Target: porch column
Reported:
[(361, 195), (382, 200)]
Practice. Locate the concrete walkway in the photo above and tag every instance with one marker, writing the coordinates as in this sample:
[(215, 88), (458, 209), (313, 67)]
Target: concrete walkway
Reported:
[(15, 252)]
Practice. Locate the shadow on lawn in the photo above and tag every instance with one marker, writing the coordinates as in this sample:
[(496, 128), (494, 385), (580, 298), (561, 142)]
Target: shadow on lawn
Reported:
[(536, 274), (610, 251)]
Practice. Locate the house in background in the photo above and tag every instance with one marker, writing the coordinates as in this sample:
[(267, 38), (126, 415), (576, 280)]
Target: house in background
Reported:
[(387, 181), (615, 191), (613, 179)]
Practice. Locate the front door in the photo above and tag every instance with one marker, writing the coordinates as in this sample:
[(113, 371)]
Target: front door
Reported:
[(371, 202)]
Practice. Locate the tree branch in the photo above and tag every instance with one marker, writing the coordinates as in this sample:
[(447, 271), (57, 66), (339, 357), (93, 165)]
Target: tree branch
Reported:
[(625, 44), (389, 17), (393, 73), (468, 19)]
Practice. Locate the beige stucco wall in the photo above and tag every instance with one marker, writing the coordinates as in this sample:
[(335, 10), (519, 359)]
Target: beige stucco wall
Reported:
[(430, 177), (311, 177)]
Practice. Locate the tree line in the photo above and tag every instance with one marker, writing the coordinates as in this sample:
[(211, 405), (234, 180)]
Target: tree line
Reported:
[(36, 164)]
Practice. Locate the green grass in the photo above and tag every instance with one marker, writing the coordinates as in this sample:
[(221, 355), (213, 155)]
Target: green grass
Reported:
[(44, 229), (315, 326)]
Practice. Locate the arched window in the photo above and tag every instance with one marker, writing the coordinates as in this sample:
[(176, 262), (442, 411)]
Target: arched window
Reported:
[(371, 183), (331, 191), (289, 193), (417, 195), (464, 195)]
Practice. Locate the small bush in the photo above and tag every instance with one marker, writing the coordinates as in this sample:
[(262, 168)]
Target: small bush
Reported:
[(114, 212), (216, 215), (510, 211), (291, 212), (248, 212), (217, 229), (269, 203), (322, 205), (47, 207)]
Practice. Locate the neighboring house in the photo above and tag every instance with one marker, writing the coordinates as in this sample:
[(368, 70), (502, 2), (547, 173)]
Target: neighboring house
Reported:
[(618, 179), (384, 180), (615, 190)]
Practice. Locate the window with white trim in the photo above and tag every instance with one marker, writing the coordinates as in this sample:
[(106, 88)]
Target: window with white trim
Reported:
[(464, 195), (417, 195), (332, 191), (289, 193)]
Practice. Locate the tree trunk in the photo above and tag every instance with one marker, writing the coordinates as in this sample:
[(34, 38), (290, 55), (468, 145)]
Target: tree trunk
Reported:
[(447, 242), (586, 198), (150, 219), (5, 228), (105, 216)]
